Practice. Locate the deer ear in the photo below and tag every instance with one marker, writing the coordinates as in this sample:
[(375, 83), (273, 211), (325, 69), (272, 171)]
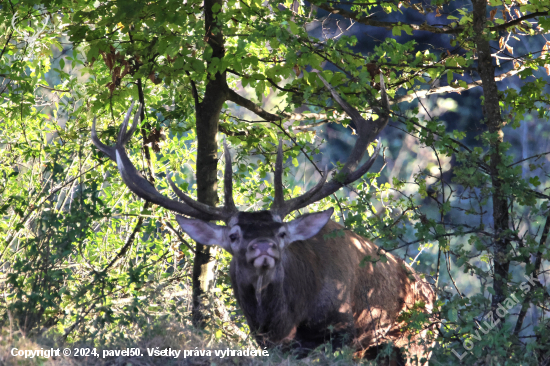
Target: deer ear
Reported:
[(307, 226), (204, 232)]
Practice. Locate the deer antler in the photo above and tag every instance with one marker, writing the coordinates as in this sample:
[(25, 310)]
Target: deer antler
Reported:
[(144, 189), (367, 131)]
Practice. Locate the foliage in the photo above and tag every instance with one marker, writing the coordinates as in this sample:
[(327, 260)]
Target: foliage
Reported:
[(83, 258)]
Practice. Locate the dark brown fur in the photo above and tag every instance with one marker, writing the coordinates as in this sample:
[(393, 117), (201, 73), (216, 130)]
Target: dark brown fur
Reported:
[(320, 284)]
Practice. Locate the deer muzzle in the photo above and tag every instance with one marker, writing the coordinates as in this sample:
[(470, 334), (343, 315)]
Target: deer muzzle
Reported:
[(263, 254)]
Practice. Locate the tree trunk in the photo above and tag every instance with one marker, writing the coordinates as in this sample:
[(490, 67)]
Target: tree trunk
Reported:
[(494, 122), (208, 113)]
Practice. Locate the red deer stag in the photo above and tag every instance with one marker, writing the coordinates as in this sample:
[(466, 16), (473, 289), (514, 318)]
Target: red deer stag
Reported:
[(297, 284)]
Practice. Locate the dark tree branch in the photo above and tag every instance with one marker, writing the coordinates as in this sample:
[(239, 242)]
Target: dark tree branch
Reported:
[(518, 21), (207, 117), (494, 122), (252, 107), (440, 29), (176, 233), (194, 90), (227, 132), (129, 240), (53, 89)]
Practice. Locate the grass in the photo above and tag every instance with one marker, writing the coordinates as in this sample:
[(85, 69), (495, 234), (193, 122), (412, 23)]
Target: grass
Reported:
[(164, 335)]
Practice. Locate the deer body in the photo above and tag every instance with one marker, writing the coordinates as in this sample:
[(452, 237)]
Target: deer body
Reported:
[(300, 283), (321, 293)]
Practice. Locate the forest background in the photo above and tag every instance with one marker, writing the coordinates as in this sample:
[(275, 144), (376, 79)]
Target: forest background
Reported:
[(461, 191)]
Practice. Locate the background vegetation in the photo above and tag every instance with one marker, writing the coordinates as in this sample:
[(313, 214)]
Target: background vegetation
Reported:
[(461, 192)]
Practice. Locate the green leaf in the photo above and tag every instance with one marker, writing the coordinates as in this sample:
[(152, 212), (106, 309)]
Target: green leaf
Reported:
[(534, 181), (407, 28), (396, 31), (452, 315), (216, 7), (293, 27)]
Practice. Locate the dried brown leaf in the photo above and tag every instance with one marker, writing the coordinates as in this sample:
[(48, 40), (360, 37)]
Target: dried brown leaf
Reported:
[(108, 60), (125, 71)]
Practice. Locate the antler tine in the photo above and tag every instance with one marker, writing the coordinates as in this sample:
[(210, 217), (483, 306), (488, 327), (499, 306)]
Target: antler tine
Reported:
[(223, 213), (138, 184), (110, 151), (329, 188), (350, 111), (133, 127), (143, 189), (367, 131), (123, 134), (215, 212), (365, 167), (384, 100), (279, 199), (298, 202), (228, 181)]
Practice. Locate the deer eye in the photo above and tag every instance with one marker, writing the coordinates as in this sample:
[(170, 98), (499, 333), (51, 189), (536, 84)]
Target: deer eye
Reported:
[(233, 236), (282, 235)]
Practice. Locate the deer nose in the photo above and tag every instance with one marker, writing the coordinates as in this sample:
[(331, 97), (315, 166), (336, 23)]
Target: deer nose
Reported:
[(262, 254), (261, 247)]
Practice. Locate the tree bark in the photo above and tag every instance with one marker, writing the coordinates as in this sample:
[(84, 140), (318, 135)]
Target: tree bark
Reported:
[(208, 113), (493, 119)]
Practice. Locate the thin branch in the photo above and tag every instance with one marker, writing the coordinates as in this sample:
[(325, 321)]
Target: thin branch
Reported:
[(448, 261), (518, 21), (129, 240), (53, 89), (530, 157), (435, 237), (538, 262), (6, 43), (226, 132), (315, 124), (176, 233), (451, 89), (271, 81)]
